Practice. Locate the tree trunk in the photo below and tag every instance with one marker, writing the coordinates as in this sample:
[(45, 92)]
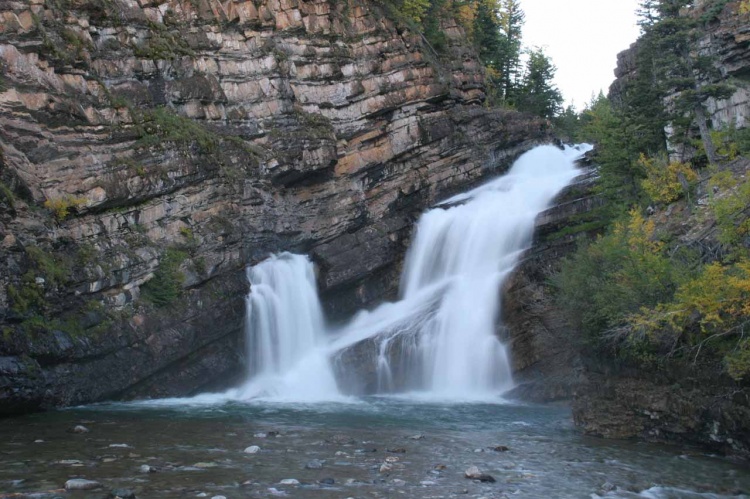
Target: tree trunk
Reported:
[(708, 144)]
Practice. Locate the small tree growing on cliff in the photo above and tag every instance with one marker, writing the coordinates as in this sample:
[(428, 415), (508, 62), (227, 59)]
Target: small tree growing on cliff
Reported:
[(415, 9)]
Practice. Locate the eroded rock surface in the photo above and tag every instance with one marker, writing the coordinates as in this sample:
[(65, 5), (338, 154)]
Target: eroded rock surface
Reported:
[(545, 356)]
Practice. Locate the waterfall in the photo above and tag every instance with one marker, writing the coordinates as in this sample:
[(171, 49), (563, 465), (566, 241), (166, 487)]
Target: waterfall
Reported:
[(440, 338), (285, 332)]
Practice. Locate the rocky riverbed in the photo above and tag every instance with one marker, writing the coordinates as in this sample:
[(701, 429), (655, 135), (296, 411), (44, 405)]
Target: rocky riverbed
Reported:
[(374, 448)]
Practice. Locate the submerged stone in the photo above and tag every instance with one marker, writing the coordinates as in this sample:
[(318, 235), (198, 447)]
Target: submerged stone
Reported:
[(81, 484)]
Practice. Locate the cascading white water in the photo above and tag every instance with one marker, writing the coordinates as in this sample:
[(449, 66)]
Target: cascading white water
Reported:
[(285, 331), (441, 336)]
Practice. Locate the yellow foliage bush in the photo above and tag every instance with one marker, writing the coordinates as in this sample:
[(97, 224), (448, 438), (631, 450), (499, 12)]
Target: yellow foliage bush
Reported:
[(60, 207), (664, 179), (716, 302), (616, 276), (465, 15), (415, 9)]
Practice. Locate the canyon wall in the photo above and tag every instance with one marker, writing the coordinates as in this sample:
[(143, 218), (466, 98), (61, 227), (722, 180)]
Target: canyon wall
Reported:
[(152, 149)]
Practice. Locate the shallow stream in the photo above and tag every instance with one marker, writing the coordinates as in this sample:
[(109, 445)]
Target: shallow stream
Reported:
[(339, 451)]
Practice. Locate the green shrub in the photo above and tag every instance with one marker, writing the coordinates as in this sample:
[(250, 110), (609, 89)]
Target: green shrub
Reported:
[(737, 361), (6, 195), (731, 209), (166, 285), (164, 125), (29, 295), (714, 305), (615, 276), (54, 269), (162, 44), (731, 142)]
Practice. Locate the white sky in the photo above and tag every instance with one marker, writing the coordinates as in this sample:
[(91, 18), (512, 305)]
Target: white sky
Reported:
[(583, 38)]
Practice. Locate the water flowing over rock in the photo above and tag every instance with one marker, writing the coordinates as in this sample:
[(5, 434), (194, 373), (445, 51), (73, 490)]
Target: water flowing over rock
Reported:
[(439, 338), (285, 332)]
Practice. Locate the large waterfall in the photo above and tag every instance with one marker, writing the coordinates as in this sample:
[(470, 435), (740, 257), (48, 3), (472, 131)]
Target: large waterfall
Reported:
[(440, 339)]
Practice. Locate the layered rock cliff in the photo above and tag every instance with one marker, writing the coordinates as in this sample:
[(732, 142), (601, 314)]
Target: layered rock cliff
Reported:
[(152, 149), (726, 40)]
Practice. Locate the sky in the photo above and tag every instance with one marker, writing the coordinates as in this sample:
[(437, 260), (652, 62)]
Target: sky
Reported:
[(583, 38)]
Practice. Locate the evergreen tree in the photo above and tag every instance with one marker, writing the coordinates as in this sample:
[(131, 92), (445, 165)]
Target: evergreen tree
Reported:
[(511, 19), (567, 124), (640, 101), (487, 37), (617, 148), (537, 93), (681, 69), (648, 13)]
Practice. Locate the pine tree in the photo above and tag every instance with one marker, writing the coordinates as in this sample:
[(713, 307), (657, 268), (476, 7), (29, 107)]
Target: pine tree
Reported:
[(538, 94), (487, 37), (640, 102), (648, 13), (682, 70), (511, 19)]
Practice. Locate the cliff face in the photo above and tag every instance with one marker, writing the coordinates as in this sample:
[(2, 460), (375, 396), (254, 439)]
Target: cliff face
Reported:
[(152, 149), (545, 353), (726, 39)]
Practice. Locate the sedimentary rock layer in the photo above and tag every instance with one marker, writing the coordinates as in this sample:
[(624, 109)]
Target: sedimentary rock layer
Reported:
[(152, 149)]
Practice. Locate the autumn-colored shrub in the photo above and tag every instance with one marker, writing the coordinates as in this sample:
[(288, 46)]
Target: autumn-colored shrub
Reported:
[(61, 207), (666, 181)]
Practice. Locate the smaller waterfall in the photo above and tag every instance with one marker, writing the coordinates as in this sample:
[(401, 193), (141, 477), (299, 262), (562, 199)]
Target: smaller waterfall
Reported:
[(285, 332)]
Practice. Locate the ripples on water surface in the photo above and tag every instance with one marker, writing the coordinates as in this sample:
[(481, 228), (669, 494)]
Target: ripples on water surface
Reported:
[(197, 447)]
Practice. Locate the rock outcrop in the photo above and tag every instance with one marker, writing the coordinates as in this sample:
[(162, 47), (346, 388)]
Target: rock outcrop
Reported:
[(727, 41), (545, 354), (693, 404), (152, 149)]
